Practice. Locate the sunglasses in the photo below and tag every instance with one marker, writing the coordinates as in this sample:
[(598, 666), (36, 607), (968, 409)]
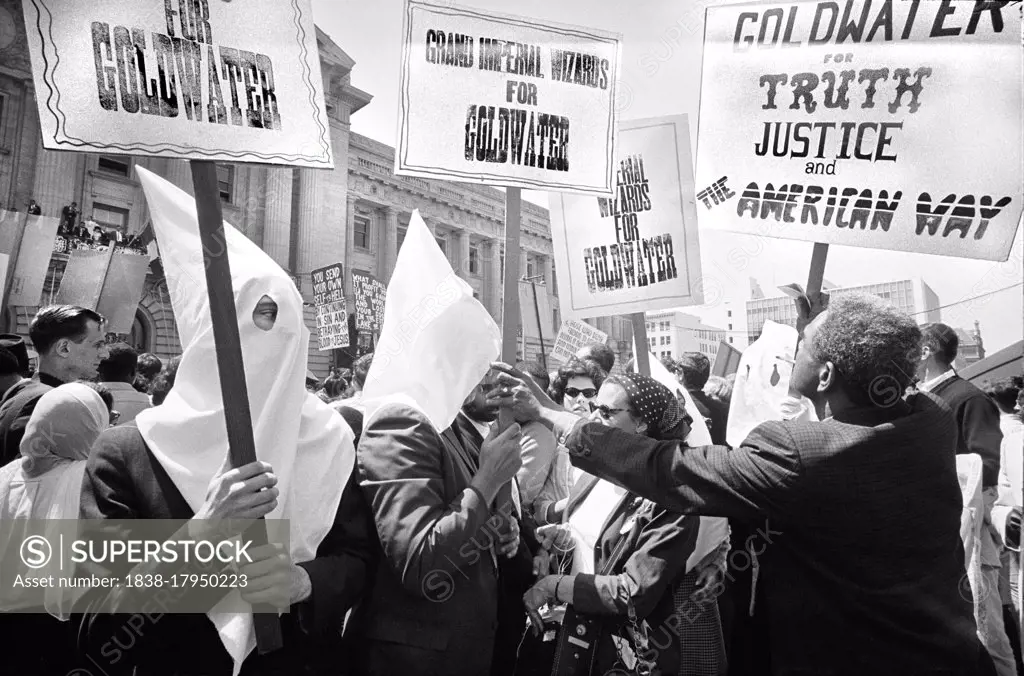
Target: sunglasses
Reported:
[(605, 411), (588, 392)]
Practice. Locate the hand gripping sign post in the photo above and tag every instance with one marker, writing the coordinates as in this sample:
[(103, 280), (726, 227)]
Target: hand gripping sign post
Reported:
[(638, 250), (189, 80), (510, 101), (888, 125)]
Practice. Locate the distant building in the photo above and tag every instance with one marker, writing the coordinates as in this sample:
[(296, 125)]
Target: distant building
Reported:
[(912, 296), (972, 348), (670, 333)]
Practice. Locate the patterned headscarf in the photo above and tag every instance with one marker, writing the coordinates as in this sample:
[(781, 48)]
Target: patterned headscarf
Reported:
[(665, 416)]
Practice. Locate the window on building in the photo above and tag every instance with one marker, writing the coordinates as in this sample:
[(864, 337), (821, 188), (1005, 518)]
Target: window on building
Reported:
[(110, 216), (113, 164), (730, 340), (401, 237), (474, 259), (730, 327), (729, 312), (226, 182), (531, 267), (361, 233)]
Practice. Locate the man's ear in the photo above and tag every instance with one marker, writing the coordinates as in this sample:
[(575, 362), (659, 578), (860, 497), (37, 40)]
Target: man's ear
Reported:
[(60, 348), (828, 376)]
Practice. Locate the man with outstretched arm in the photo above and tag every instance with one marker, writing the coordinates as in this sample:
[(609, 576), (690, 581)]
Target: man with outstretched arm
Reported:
[(866, 565)]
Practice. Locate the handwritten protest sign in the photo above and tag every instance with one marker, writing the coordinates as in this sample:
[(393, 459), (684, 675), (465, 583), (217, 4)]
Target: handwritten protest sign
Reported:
[(889, 125), (196, 79), (638, 250), (370, 294), (572, 336), (492, 98), (331, 312)]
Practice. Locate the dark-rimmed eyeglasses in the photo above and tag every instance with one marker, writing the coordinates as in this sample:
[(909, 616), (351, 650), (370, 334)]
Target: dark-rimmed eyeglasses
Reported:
[(606, 411), (588, 392)]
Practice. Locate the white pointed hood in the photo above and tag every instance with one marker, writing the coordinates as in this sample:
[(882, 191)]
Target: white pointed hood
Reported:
[(308, 444), (437, 342)]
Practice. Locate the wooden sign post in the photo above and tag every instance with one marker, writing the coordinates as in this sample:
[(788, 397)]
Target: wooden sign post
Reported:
[(510, 280), (642, 351), (230, 365)]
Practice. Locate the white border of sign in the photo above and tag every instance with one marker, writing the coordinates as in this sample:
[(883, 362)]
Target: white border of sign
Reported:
[(404, 168), (690, 240)]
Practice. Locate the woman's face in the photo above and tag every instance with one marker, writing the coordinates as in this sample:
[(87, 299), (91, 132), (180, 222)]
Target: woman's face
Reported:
[(611, 407), (579, 392)]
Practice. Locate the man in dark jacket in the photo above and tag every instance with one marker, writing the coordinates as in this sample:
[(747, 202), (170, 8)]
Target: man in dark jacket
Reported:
[(865, 562), (977, 420), (694, 369), (71, 345), (434, 606)]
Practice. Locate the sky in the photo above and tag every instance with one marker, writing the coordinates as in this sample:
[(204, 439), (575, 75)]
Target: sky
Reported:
[(661, 76)]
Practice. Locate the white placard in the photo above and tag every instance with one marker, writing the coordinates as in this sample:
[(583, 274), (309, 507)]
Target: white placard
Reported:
[(203, 79), (639, 250), (574, 335), (889, 125), (506, 100)]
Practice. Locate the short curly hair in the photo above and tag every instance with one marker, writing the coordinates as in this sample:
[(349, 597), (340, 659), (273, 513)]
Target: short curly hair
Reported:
[(586, 369), (871, 343)]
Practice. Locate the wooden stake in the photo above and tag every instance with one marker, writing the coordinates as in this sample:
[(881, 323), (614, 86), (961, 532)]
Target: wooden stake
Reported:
[(230, 366), (642, 351), (814, 280), (510, 304)]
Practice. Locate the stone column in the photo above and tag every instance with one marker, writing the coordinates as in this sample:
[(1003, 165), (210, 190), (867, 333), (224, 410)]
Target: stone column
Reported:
[(494, 281), (308, 251), (179, 172), (461, 254), (523, 255), (350, 233), (548, 267), (277, 224), (390, 255), (55, 182)]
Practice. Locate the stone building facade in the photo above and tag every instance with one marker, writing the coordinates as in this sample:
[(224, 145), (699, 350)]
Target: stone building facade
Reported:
[(304, 219)]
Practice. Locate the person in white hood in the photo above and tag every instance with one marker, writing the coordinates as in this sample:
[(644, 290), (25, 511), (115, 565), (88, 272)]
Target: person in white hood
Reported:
[(171, 463)]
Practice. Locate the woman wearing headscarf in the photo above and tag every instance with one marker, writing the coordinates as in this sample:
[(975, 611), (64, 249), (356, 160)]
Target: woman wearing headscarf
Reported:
[(44, 483), (172, 463), (631, 564)]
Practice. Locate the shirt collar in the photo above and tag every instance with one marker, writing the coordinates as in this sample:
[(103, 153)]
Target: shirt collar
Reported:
[(930, 385), (483, 428)]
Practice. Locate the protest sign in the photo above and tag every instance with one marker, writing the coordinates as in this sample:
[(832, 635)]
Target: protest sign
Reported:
[(123, 289), (331, 313), (197, 79), (536, 316), (370, 295), (727, 360), (29, 241), (506, 100), (84, 278), (888, 125), (639, 250), (574, 335)]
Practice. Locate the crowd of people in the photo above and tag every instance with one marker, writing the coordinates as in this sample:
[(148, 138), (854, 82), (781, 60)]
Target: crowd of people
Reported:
[(576, 539), (76, 231)]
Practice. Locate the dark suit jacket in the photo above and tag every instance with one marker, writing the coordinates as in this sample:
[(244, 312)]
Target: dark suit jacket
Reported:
[(433, 609), (15, 411), (865, 565), (977, 420), (123, 480)]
